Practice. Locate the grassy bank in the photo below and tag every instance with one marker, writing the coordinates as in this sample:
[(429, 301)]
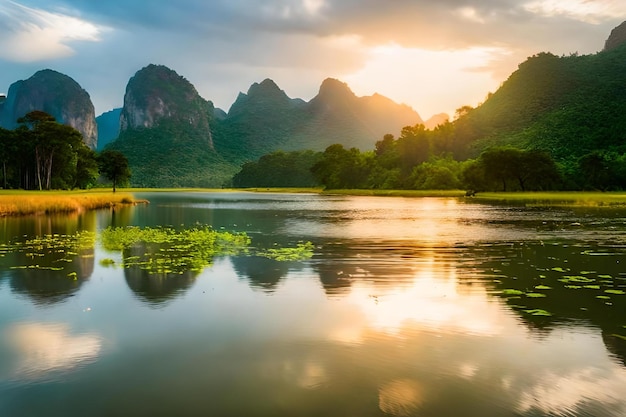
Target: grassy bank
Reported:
[(547, 199), (22, 203), (554, 199)]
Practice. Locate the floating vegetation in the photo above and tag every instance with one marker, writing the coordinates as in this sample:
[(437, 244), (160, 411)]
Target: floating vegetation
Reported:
[(107, 262), (542, 287), (510, 291), (576, 278), (616, 292), (538, 312), (535, 295), (164, 250), (558, 269), (56, 249), (619, 336), (302, 251)]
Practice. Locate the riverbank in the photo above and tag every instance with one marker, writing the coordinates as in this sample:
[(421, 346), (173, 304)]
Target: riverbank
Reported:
[(535, 198), (23, 203)]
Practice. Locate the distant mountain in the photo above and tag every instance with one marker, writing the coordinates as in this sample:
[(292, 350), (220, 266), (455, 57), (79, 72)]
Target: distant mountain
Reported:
[(337, 115), (266, 119), (165, 132), (436, 120), (53, 93), (108, 127)]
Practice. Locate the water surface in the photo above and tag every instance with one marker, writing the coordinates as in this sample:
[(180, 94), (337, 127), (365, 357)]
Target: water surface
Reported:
[(409, 307)]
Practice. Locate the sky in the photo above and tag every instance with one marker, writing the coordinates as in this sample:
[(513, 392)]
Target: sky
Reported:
[(433, 55)]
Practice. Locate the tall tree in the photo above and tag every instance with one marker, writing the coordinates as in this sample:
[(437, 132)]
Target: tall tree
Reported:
[(114, 167)]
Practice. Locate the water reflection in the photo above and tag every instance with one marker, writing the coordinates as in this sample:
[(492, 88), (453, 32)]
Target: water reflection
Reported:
[(157, 289), (400, 317), (401, 397), (42, 349), (261, 273)]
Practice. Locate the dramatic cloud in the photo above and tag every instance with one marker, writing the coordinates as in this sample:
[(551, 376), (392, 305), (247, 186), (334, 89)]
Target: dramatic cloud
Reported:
[(434, 56), (29, 34)]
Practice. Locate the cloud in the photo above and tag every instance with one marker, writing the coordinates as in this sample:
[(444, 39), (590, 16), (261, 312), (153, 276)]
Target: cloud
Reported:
[(223, 46), (30, 34)]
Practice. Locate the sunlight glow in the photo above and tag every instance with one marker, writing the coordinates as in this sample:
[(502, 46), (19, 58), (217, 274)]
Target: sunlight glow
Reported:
[(34, 34), (586, 11), (428, 80)]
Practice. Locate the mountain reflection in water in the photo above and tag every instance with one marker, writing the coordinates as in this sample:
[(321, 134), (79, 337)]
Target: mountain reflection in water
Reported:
[(408, 307)]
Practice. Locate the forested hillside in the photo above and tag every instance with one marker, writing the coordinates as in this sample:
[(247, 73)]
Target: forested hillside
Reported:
[(556, 123)]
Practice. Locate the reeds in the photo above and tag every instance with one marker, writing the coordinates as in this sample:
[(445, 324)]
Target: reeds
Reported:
[(22, 203)]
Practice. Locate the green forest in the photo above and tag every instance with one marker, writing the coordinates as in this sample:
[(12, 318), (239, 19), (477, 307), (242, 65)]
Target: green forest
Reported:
[(557, 123), (42, 154)]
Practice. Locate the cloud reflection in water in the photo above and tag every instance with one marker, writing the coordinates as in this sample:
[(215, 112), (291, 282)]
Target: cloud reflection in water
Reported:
[(43, 349)]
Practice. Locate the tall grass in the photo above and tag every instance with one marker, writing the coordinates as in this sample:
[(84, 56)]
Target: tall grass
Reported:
[(22, 203)]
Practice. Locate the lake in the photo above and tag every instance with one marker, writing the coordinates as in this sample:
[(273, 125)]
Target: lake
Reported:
[(408, 307)]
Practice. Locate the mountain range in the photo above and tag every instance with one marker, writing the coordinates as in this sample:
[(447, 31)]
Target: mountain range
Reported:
[(174, 137), (568, 106)]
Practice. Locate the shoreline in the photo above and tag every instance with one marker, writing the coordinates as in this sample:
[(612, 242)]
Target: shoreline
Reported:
[(25, 203), (14, 203)]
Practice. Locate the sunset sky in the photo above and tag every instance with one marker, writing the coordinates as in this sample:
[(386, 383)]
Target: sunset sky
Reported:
[(435, 56)]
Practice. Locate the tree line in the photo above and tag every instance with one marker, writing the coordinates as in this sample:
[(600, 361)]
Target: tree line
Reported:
[(424, 159), (42, 154)]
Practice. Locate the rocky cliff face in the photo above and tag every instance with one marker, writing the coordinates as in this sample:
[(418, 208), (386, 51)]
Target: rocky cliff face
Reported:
[(53, 93), (157, 93), (617, 37)]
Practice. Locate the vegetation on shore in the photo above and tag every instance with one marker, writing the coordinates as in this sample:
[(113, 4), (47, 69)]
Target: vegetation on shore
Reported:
[(22, 203)]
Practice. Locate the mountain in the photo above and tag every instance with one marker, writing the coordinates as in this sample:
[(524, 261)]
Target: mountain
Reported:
[(53, 93), (165, 132), (265, 119), (568, 106), (616, 38), (108, 127), (337, 115), (436, 120)]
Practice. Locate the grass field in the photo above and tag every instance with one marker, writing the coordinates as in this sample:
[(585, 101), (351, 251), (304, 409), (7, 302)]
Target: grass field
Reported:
[(22, 203)]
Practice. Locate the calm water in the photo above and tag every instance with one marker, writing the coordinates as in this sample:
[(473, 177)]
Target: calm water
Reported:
[(409, 307)]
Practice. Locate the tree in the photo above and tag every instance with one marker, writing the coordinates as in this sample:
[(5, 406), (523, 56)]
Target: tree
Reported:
[(54, 147), (8, 147), (86, 168), (113, 165)]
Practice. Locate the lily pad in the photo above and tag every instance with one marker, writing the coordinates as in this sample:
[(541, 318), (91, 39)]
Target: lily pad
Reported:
[(542, 287), (538, 312), (510, 291), (535, 295)]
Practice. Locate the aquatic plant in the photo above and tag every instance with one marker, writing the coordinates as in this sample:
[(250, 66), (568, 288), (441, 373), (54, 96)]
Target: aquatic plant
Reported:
[(302, 251), (164, 250)]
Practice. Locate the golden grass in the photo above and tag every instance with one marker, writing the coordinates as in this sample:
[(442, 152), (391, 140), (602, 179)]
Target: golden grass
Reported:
[(557, 198), (22, 203)]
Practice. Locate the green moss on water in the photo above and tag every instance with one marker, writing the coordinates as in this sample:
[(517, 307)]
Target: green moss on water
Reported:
[(302, 251), (164, 250), (535, 295)]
